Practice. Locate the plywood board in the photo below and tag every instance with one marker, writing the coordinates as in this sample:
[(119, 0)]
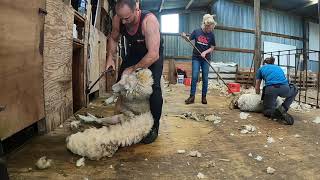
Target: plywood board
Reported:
[(21, 76), (102, 62), (94, 61), (58, 62)]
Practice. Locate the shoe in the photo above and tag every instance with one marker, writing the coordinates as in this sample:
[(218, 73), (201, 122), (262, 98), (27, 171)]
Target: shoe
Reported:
[(204, 100), (151, 137), (190, 100), (283, 114)]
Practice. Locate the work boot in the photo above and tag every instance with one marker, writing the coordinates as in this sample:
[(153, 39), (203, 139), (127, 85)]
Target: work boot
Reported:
[(204, 100), (152, 136), (190, 100), (283, 114)]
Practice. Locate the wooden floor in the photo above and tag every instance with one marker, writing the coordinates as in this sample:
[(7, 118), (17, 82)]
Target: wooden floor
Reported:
[(293, 157)]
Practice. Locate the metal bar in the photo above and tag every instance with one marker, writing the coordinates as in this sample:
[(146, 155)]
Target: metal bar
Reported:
[(288, 65), (318, 76), (318, 56), (273, 52), (309, 104), (306, 81), (278, 58), (309, 97), (300, 86)]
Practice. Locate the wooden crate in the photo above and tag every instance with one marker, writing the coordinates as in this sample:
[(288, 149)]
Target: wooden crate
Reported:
[(310, 81), (245, 77)]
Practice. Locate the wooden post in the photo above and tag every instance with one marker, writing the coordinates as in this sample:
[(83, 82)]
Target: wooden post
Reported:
[(172, 71), (257, 47)]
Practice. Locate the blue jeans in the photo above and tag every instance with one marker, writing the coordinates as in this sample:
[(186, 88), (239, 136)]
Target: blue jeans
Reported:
[(271, 94), (196, 64)]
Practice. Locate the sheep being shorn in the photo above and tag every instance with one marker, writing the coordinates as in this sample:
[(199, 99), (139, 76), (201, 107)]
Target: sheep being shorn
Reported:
[(252, 102), (128, 128)]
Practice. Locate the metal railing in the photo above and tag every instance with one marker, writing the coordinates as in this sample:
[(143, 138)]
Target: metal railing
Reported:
[(301, 71)]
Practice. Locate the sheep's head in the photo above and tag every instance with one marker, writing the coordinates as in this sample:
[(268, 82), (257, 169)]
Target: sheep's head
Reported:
[(136, 85)]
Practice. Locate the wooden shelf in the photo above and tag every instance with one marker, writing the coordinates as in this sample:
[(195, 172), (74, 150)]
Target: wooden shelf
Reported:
[(77, 43), (78, 17)]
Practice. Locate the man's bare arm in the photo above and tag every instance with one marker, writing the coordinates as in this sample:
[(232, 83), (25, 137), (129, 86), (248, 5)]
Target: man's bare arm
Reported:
[(113, 41), (258, 82), (152, 38)]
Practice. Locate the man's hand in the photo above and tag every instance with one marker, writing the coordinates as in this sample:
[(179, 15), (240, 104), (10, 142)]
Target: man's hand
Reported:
[(203, 54), (258, 90), (129, 70), (110, 63)]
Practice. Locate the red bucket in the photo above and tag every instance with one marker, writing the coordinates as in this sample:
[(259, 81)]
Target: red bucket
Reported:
[(187, 81), (233, 87)]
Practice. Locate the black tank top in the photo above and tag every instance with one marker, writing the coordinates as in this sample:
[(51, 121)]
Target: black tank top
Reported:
[(135, 44)]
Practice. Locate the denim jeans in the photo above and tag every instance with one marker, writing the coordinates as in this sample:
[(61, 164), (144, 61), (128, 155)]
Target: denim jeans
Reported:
[(271, 94), (196, 64)]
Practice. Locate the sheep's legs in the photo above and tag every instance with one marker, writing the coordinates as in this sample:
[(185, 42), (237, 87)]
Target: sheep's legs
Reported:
[(112, 120), (104, 121)]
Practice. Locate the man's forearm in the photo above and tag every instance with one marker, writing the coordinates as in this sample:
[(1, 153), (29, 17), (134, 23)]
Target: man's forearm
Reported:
[(258, 82), (112, 47), (147, 61)]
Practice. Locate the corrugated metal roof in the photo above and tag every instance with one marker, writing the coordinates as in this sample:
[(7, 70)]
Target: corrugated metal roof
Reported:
[(306, 8), (154, 5)]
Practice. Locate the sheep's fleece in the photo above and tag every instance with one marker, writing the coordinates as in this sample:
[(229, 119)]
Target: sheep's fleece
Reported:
[(134, 91), (252, 102)]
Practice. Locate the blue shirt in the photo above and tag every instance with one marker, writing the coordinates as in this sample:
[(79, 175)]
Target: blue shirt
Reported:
[(271, 74), (203, 41)]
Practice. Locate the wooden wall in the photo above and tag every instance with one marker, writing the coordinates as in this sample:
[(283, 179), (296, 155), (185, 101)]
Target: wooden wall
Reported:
[(21, 75), (96, 63), (102, 64), (58, 62)]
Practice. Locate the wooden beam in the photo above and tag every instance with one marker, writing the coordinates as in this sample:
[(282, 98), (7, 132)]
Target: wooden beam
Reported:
[(234, 50), (183, 11), (161, 6), (281, 35), (262, 32), (189, 4), (234, 29), (257, 47), (178, 57), (305, 30), (215, 49), (172, 72)]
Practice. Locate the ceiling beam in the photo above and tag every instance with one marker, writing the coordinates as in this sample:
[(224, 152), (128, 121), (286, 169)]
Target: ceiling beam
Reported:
[(305, 5), (189, 4), (161, 6), (182, 11)]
